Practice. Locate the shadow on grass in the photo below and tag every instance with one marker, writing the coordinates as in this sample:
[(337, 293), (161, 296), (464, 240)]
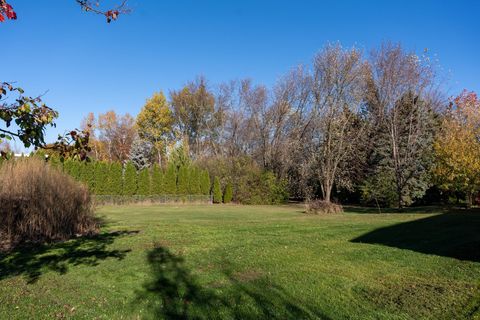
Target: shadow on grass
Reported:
[(174, 293), (412, 210), (32, 261), (455, 234)]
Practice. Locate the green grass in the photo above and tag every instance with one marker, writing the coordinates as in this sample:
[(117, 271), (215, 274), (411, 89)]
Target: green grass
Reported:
[(251, 262)]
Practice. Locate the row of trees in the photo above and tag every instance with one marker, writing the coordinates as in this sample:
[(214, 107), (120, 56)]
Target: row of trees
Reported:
[(345, 122), (113, 178), (374, 128)]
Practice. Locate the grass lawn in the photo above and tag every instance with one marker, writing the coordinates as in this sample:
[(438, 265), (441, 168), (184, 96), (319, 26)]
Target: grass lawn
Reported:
[(251, 262)]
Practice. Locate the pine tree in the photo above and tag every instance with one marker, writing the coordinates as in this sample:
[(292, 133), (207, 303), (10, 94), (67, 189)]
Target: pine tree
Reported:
[(144, 182), (183, 181), (205, 183), (228, 194), (157, 181), (130, 180), (171, 179), (217, 191)]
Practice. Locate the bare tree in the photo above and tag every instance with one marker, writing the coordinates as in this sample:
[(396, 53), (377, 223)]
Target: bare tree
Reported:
[(338, 83)]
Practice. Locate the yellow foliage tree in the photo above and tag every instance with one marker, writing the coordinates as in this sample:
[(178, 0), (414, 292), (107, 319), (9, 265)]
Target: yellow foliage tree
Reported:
[(154, 123), (457, 147)]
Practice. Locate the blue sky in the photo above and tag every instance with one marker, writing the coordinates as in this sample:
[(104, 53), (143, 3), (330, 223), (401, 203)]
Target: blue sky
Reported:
[(89, 65)]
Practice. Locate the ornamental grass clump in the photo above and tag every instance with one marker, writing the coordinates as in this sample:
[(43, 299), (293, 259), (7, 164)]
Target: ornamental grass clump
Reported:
[(39, 203)]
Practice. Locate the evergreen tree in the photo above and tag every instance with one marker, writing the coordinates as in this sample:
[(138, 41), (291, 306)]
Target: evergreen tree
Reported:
[(115, 179), (130, 180), (67, 166), (170, 181), (217, 191), (205, 184), (157, 181), (183, 180), (228, 194), (144, 182), (88, 175), (194, 185), (101, 178)]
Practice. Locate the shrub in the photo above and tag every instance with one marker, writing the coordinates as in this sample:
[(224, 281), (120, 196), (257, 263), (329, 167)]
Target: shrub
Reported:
[(115, 179), (101, 178), (171, 179), (228, 194), (157, 183), (323, 207), (205, 183), (217, 191), (130, 180), (143, 182), (183, 180), (39, 203)]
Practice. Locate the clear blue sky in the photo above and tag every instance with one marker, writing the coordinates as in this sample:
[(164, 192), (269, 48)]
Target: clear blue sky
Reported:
[(89, 65)]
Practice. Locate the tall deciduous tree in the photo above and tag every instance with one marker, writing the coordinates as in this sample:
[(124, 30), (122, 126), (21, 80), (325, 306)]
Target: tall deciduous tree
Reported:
[(117, 134), (338, 83), (154, 124), (195, 116), (457, 147), (401, 111)]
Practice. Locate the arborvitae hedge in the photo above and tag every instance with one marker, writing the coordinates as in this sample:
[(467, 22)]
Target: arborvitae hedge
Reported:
[(130, 180), (171, 179), (115, 179), (101, 178), (217, 191), (205, 183), (183, 181), (228, 194), (194, 185), (143, 182), (157, 183), (111, 178)]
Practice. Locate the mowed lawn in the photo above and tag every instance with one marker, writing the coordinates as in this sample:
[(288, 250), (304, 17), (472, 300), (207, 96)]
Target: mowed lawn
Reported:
[(252, 262)]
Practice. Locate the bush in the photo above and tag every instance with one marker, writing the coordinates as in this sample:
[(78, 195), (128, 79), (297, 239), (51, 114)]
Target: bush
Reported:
[(130, 180), (228, 194), (39, 203), (323, 207), (217, 191), (143, 182)]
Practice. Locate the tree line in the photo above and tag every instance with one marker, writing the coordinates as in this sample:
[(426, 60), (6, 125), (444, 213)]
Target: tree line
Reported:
[(350, 126)]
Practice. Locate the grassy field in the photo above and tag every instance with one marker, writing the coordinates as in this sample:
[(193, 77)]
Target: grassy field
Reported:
[(251, 262)]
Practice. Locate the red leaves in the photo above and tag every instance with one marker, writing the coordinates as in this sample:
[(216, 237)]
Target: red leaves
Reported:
[(111, 15), (7, 10)]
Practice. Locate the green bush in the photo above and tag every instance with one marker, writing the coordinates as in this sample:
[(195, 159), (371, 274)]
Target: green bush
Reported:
[(157, 183), (217, 191), (143, 182), (115, 179), (130, 180), (171, 179), (205, 184), (101, 177), (183, 180), (228, 194)]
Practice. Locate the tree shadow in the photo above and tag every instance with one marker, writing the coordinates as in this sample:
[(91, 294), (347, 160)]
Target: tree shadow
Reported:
[(410, 210), (175, 293), (455, 234), (34, 260)]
